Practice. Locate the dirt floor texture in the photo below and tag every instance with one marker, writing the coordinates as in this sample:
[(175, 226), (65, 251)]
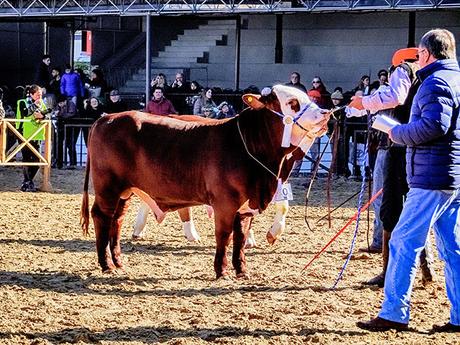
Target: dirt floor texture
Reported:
[(52, 290)]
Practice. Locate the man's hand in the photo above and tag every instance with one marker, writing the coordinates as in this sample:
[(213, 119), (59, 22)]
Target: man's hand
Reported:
[(38, 115), (356, 102), (390, 135)]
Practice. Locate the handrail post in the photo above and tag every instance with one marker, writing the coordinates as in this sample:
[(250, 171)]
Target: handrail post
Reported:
[(46, 183), (3, 137)]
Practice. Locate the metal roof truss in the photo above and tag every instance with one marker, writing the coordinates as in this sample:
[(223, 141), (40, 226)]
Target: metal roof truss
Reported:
[(52, 8)]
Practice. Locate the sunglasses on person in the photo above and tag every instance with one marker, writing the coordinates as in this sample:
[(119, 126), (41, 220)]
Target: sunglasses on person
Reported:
[(316, 82)]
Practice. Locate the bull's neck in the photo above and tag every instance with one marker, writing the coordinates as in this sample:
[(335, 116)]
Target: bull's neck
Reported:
[(262, 133)]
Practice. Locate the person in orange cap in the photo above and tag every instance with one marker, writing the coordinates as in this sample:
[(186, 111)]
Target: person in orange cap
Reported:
[(398, 96)]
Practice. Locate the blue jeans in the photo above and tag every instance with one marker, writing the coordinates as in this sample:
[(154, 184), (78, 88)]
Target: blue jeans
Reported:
[(423, 209), (377, 179)]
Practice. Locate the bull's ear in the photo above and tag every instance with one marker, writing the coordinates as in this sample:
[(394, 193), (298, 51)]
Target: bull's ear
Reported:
[(252, 101)]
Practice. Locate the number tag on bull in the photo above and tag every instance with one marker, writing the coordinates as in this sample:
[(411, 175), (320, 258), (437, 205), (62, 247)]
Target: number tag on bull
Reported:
[(283, 192)]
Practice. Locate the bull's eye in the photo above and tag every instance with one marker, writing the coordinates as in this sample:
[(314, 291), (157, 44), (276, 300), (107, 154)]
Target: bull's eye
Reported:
[(294, 104)]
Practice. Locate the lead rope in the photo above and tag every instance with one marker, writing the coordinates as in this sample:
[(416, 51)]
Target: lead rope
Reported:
[(250, 154), (358, 217)]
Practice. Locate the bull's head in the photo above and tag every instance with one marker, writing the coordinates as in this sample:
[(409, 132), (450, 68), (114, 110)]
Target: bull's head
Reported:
[(294, 106)]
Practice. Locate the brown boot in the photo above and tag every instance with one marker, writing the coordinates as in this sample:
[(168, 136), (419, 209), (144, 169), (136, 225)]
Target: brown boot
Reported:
[(379, 280), (426, 261), (381, 325)]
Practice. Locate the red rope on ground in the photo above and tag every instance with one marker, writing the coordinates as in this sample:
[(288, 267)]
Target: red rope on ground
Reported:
[(375, 196)]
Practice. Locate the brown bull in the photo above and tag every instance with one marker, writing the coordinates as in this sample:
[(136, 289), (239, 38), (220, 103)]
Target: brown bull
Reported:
[(232, 165)]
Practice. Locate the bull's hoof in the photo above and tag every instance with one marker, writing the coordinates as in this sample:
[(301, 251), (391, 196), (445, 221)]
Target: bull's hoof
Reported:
[(270, 239), (243, 276), (138, 238), (109, 270), (223, 276)]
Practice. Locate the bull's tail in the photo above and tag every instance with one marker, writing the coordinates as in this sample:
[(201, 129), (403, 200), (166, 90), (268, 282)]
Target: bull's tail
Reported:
[(84, 213)]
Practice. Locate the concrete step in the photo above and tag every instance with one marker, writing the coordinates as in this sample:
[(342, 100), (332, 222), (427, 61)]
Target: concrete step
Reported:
[(188, 49), (172, 54), (203, 33), (197, 38), (198, 43), (221, 22)]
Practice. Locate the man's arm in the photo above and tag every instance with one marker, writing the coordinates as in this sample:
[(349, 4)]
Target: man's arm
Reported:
[(436, 107), (391, 96)]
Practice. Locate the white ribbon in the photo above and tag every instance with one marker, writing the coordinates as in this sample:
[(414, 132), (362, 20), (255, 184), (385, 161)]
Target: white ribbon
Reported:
[(288, 122)]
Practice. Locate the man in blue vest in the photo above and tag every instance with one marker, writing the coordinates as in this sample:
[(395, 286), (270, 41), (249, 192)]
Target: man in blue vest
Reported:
[(432, 137)]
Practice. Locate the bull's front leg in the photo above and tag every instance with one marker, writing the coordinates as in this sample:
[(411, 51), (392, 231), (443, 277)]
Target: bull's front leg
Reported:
[(241, 228), (279, 223)]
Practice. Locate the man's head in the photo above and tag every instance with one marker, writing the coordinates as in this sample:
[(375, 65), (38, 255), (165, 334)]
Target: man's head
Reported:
[(295, 78), (35, 92), (157, 94), (180, 77), (46, 59), (56, 71), (68, 68), (437, 44)]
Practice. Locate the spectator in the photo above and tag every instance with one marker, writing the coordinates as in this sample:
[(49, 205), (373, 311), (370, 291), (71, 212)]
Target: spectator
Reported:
[(92, 110), (209, 112), (159, 105), (295, 82), (64, 112), (316, 97), (204, 100), (324, 99), (195, 89), (225, 111), (43, 76), (97, 84), (71, 85), (33, 109), (160, 81), (115, 104), (341, 164), (432, 135), (363, 85), (180, 87), (383, 77), (179, 84), (355, 136), (54, 87)]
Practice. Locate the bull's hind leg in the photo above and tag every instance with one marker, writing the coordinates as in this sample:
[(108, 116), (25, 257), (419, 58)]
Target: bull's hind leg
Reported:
[(115, 231), (223, 231), (102, 212), (241, 228)]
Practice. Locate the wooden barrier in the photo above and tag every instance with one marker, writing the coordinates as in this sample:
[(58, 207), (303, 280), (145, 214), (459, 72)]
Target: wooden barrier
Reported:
[(6, 157)]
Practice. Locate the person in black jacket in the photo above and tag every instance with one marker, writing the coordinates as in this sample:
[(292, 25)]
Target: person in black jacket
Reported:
[(115, 104)]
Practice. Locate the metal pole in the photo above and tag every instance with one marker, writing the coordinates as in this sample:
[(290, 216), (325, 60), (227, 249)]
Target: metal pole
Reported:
[(46, 47), (411, 33), (279, 39), (72, 44), (148, 57), (237, 51)]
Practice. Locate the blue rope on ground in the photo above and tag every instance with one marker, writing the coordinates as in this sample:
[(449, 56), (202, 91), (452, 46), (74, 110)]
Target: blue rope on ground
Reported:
[(355, 234)]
